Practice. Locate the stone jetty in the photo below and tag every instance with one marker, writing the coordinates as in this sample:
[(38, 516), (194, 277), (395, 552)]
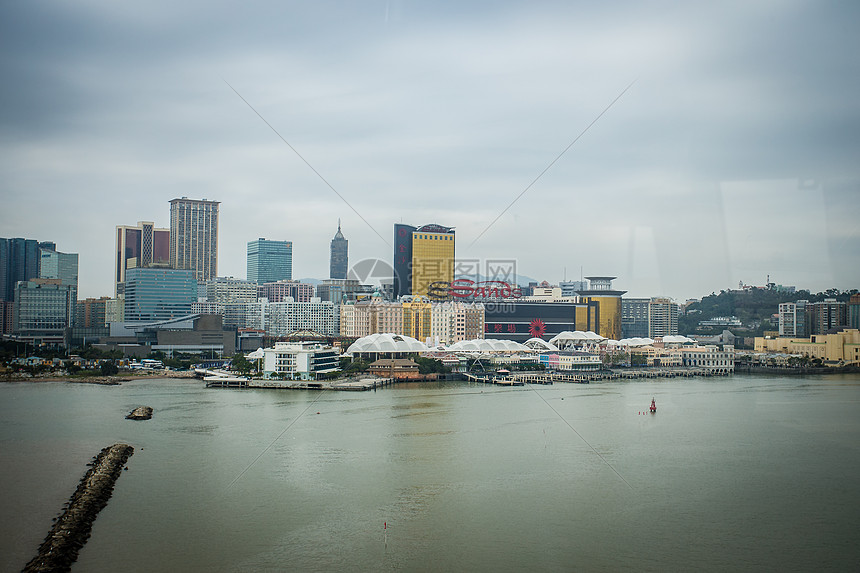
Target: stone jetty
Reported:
[(72, 528), (140, 413)]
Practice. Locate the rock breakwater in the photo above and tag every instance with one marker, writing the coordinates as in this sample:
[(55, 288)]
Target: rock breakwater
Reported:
[(140, 413), (73, 527)]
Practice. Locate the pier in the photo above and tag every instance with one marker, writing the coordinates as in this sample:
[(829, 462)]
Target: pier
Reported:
[(586, 377)]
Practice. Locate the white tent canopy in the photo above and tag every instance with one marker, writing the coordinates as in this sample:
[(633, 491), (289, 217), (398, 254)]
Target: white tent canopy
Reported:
[(386, 342)]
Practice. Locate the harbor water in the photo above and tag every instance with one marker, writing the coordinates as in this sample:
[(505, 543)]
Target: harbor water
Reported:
[(732, 473)]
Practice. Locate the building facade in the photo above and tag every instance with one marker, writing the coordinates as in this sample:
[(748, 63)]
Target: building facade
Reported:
[(826, 315), (422, 256), (339, 291), (270, 261), (792, 318), (299, 361), (370, 316), (41, 311), (281, 290), (194, 237), (64, 268), (432, 257), (634, 317), (92, 312), (600, 291), (19, 261), (227, 289), (854, 311), (662, 317), (153, 294), (142, 246), (455, 321), (339, 255), (283, 318)]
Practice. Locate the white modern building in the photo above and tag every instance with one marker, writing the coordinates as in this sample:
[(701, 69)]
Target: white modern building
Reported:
[(299, 361)]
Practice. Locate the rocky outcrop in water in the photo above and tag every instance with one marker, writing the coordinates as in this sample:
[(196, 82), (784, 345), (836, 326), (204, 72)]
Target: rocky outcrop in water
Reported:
[(140, 413), (72, 528)]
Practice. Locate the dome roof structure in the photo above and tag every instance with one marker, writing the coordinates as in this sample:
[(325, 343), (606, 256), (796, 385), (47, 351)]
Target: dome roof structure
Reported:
[(635, 342), (386, 342), (677, 339), (575, 337), (488, 345), (540, 345)]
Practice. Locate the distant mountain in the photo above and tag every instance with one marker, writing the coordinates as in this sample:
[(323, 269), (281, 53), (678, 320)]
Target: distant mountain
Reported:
[(522, 280)]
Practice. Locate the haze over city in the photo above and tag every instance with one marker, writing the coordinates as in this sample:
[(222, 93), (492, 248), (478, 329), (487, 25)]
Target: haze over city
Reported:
[(733, 155)]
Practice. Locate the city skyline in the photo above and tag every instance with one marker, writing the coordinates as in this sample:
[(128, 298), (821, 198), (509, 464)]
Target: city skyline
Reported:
[(732, 157)]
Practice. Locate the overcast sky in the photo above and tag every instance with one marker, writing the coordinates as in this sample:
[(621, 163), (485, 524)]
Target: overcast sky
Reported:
[(735, 153)]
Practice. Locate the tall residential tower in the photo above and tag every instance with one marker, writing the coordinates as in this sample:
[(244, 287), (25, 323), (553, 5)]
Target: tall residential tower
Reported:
[(194, 236)]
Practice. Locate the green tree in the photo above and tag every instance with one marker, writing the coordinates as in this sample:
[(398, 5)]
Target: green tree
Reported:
[(109, 368)]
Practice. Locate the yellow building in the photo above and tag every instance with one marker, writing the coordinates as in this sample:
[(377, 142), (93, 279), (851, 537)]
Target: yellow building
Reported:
[(608, 321), (417, 318), (839, 348), (432, 257)]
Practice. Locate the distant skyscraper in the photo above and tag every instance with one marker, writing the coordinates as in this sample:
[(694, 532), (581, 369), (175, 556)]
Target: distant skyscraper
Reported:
[(158, 294), (270, 261), (19, 261), (64, 268), (339, 259), (422, 256), (432, 257), (402, 260), (142, 246), (194, 237)]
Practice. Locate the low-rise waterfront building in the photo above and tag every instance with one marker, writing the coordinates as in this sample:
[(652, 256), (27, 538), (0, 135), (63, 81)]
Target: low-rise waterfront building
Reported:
[(834, 349), (300, 361), (711, 358)]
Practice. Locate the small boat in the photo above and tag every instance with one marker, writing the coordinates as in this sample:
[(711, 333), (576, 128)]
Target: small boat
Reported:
[(653, 406)]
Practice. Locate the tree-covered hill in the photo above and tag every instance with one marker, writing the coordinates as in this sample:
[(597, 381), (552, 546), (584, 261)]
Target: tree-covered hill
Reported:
[(753, 307)]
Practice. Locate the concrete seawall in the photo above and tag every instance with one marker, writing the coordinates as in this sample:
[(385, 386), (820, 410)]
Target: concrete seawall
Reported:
[(72, 528)]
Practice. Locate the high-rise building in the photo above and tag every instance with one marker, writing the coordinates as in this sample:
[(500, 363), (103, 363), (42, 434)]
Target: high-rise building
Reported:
[(826, 315), (402, 260), (634, 317), (42, 309), (64, 268), (662, 317), (854, 311), (792, 319), (19, 261), (339, 257), (142, 246), (194, 237), (91, 312), (422, 256), (153, 294), (609, 301), (270, 261)]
